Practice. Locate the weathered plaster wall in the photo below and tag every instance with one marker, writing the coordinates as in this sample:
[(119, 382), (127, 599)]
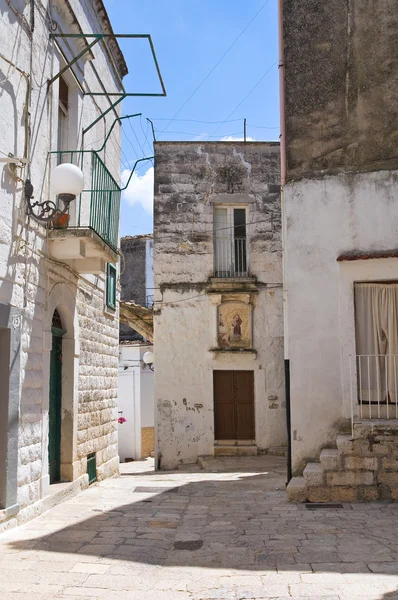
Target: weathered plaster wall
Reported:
[(341, 82), (29, 280), (190, 179), (348, 213)]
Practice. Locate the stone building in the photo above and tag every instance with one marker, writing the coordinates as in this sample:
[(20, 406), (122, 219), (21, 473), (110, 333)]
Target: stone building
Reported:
[(136, 397), (219, 386), (137, 432), (58, 305), (339, 81), (136, 276)]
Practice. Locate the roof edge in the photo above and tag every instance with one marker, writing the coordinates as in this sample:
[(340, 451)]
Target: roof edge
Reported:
[(112, 43)]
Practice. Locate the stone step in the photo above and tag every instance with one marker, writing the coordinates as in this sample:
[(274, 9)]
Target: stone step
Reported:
[(331, 459), (297, 490), (235, 450), (314, 474), (347, 445)]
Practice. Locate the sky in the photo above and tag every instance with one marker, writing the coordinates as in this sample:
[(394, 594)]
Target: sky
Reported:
[(231, 44)]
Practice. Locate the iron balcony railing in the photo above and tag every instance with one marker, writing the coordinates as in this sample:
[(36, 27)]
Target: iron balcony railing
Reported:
[(374, 386), (98, 206), (230, 257), (150, 300)]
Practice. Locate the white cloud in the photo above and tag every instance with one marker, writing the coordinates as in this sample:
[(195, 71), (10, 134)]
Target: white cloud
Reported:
[(140, 189), (231, 138)]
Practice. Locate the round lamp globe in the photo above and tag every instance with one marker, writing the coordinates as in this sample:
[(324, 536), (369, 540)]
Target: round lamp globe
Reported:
[(67, 179)]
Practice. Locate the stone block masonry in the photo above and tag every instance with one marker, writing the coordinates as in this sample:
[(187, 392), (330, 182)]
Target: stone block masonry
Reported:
[(364, 468)]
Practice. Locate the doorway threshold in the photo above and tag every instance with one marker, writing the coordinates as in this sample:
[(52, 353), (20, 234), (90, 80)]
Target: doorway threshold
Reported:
[(235, 449)]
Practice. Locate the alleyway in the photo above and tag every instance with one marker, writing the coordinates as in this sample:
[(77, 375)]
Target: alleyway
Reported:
[(224, 533)]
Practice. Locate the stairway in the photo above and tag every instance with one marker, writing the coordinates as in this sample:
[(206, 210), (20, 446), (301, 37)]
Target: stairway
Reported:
[(363, 468)]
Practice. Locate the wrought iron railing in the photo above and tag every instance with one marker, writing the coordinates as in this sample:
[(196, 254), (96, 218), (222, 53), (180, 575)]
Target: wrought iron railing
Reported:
[(374, 386), (230, 257), (150, 300), (98, 206)]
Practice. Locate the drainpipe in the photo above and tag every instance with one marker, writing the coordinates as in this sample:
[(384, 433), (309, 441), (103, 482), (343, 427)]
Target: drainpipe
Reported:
[(283, 182), (281, 66), (288, 420)]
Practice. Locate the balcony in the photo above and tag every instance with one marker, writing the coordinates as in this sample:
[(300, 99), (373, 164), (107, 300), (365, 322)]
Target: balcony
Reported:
[(88, 237), (230, 257)]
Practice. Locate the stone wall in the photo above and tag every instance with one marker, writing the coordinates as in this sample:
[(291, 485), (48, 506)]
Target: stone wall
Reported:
[(190, 180), (341, 81), (35, 285), (133, 277)]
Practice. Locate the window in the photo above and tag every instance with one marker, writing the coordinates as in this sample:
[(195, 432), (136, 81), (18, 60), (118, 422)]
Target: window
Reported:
[(111, 286), (376, 331), (230, 242), (63, 114)]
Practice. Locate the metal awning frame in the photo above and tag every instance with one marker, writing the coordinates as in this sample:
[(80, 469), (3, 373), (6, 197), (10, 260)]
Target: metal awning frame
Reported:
[(97, 38)]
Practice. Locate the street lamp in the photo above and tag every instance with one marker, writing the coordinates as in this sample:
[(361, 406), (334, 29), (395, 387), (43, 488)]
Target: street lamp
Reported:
[(149, 359), (66, 182)]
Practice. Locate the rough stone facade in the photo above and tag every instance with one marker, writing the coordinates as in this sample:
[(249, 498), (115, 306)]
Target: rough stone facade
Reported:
[(191, 179), (340, 77), (341, 81), (136, 277), (32, 285)]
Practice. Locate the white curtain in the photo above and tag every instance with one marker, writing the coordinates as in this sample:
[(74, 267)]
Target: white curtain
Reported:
[(376, 325), (223, 244)]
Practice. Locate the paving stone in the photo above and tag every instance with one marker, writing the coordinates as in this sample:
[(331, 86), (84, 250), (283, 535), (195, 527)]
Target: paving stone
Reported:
[(256, 545)]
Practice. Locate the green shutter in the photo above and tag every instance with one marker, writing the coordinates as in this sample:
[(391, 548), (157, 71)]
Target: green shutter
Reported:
[(92, 467), (111, 286)]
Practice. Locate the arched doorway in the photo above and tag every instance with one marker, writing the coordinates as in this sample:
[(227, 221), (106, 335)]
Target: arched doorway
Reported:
[(55, 404)]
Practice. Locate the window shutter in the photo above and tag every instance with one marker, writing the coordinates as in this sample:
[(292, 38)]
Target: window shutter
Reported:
[(111, 286)]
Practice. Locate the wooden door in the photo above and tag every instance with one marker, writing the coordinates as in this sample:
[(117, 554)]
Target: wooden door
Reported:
[(54, 428), (234, 405)]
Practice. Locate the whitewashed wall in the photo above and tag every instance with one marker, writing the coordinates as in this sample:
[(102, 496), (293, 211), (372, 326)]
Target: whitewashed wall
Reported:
[(136, 399), (351, 213), (29, 280)]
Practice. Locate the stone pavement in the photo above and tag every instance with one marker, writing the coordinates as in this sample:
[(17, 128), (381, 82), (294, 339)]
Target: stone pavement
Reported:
[(224, 533)]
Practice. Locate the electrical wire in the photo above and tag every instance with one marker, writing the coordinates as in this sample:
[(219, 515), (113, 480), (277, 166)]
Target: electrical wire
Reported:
[(192, 233), (146, 134), (214, 122), (201, 135), (138, 142), (260, 126), (264, 286), (194, 120), (247, 95), (216, 65)]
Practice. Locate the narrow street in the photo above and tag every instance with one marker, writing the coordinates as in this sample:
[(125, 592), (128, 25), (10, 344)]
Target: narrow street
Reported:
[(225, 532)]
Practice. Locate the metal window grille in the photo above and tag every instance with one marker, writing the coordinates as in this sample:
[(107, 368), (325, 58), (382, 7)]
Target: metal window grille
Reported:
[(230, 242)]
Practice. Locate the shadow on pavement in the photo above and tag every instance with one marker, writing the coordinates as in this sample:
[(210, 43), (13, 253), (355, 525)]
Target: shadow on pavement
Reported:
[(238, 521)]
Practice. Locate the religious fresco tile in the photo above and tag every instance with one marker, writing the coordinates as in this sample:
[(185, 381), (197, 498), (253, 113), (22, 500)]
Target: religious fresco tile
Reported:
[(234, 325)]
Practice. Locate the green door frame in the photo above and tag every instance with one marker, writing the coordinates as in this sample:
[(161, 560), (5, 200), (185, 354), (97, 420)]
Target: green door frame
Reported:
[(55, 406)]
